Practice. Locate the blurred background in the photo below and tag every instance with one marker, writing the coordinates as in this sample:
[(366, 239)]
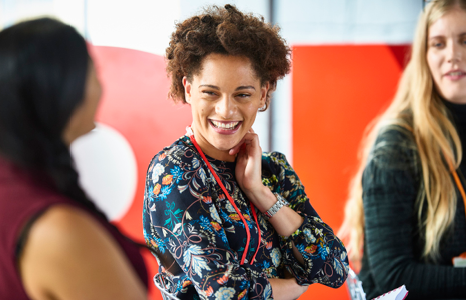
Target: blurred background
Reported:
[(347, 58)]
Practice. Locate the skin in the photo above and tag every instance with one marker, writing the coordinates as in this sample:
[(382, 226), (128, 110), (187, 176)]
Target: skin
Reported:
[(82, 120), (68, 254), (227, 89), (446, 51)]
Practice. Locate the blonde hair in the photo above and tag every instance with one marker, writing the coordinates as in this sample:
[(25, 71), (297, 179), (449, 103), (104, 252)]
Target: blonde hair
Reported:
[(418, 108)]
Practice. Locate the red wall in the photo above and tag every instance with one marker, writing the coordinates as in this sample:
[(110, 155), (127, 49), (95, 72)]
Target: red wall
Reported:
[(337, 91), (135, 103)]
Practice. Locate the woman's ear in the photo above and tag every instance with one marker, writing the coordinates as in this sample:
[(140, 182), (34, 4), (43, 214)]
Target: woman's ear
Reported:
[(187, 89), (264, 91)]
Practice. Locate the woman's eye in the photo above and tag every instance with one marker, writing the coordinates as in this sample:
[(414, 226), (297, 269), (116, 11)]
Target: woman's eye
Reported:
[(242, 95), (209, 93)]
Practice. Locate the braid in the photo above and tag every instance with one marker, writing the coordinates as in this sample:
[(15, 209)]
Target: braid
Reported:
[(65, 178)]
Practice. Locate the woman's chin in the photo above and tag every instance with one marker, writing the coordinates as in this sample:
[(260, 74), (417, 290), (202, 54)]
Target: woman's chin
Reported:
[(222, 147), (225, 147)]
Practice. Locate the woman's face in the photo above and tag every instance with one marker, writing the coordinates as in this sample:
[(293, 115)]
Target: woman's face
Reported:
[(224, 97), (446, 55), (82, 119)]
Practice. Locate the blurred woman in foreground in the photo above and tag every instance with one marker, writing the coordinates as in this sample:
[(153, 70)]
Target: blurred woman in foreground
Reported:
[(54, 242), (406, 216)]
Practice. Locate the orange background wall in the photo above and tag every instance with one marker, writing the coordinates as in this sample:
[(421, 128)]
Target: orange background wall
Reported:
[(336, 92)]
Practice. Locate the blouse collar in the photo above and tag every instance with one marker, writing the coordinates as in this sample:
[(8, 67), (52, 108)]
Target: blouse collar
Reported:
[(220, 164)]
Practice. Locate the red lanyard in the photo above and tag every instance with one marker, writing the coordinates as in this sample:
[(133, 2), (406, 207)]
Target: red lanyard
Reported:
[(463, 195), (248, 234), (457, 181)]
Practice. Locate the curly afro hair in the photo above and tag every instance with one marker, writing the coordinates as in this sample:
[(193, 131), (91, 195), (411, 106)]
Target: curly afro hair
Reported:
[(226, 30)]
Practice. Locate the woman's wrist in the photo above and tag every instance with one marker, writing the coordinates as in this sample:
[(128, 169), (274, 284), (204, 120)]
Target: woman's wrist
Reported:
[(285, 221), (263, 199), (286, 288)]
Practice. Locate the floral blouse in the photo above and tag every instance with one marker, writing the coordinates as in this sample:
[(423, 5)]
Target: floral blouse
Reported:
[(198, 238)]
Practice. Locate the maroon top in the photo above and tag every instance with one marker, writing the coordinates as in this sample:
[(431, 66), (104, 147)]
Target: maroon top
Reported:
[(21, 199)]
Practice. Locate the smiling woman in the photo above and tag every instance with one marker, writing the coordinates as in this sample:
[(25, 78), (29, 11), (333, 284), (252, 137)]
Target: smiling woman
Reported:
[(446, 53), (224, 97), (225, 220)]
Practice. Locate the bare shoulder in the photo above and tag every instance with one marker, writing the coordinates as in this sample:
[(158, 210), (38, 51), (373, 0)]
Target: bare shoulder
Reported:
[(74, 255), (61, 227)]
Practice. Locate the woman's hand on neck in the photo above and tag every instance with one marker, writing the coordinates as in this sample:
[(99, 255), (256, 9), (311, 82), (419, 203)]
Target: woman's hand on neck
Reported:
[(249, 171)]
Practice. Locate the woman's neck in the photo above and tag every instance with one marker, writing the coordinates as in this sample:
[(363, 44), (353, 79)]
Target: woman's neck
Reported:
[(458, 112)]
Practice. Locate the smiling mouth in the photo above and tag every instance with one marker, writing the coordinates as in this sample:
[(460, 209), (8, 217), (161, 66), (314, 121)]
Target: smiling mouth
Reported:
[(225, 125), (456, 73)]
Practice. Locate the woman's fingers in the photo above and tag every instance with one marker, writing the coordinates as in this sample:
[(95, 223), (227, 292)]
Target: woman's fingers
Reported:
[(246, 139), (236, 148), (250, 139)]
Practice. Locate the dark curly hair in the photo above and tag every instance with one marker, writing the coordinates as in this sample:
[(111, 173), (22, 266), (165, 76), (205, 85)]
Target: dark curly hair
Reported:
[(231, 32)]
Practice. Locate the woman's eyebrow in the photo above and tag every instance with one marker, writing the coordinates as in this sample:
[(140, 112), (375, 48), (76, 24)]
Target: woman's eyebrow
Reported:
[(442, 36), (209, 86), (436, 37), (244, 87)]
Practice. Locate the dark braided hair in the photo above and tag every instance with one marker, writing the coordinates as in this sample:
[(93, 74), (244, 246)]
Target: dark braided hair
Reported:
[(43, 71), (226, 30)]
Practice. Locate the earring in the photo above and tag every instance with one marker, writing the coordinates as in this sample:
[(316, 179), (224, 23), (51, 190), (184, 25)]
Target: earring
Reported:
[(263, 108)]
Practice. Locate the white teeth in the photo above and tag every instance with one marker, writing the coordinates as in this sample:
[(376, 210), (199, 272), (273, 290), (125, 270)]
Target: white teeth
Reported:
[(455, 73), (222, 125)]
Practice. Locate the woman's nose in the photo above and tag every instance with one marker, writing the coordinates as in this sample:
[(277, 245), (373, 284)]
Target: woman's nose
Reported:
[(225, 107), (454, 53)]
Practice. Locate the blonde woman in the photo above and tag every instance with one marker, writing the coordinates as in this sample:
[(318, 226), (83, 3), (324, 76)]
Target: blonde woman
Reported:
[(405, 219)]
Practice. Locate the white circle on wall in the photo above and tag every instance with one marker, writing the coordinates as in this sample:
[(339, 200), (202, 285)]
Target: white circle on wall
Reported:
[(107, 169)]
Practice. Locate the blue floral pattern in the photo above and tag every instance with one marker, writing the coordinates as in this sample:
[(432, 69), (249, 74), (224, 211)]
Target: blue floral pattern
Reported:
[(198, 238)]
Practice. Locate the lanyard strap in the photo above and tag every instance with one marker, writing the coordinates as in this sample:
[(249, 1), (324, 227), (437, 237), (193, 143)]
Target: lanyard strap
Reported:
[(248, 234), (458, 182)]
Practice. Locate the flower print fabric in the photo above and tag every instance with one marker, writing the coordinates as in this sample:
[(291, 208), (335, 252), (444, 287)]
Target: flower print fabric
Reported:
[(199, 238)]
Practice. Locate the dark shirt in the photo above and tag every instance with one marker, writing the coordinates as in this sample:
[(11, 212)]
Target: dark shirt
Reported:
[(200, 239), (22, 199), (393, 244), (458, 115)]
